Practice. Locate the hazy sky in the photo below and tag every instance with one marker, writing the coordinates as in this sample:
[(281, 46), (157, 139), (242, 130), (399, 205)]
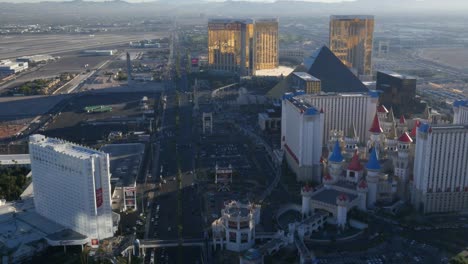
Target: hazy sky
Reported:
[(136, 1), (326, 1)]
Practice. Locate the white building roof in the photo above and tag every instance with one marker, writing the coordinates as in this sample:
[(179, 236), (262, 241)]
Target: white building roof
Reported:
[(65, 147)]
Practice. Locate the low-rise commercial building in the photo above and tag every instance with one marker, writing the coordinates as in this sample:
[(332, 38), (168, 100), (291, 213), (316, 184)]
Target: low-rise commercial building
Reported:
[(8, 67), (125, 166), (306, 82)]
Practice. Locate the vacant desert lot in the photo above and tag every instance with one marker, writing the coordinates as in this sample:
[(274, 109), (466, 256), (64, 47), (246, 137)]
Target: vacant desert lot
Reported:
[(455, 57)]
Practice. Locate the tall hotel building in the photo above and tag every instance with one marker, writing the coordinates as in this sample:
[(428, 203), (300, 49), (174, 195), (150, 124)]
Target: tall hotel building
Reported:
[(351, 41), (440, 182), (266, 44), (242, 45), (344, 109), (302, 137), (460, 110), (72, 186)]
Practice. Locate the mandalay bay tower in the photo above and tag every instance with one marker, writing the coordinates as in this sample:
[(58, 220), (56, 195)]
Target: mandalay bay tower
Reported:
[(242, 45), (351, 41)]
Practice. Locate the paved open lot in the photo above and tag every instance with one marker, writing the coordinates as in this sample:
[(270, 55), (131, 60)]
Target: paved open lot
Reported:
[(76, 125), (23, 45), (12, 108)]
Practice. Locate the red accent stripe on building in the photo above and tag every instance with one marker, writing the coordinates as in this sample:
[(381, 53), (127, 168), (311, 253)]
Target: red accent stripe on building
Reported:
[(291, 153)]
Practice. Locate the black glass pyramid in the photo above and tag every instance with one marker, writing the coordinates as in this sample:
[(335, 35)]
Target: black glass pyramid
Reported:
[(333, 74)]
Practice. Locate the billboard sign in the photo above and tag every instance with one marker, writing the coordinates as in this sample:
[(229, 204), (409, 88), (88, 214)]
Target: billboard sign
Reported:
[(99, 197), (195, 62)]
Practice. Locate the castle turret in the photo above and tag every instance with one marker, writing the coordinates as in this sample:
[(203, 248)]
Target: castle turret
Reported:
[(382, 112), (362, 189), (351, 140), (342, 202), (373, 169), (402, 126), (327, 179), (389, 122), (376, 137), (335, 162), (335, 135), (306, 193), (414, 131), (355, 169), (392, 142), (401, 164)]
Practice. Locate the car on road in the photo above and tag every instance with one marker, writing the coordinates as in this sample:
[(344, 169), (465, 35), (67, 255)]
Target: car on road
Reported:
[(152, 219), (169, 229)]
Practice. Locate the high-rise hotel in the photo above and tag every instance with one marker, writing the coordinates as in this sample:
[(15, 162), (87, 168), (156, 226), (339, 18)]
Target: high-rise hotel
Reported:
[(72, 186), (440, 182), (242, 45), (351, 40)]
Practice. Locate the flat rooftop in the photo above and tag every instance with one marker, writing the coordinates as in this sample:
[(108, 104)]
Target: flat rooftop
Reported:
[(66, 235), (350, 17), (300, 103), (329, 196), (125, 162), (64, 147), (306, 77), (346, 184), (231, 20), (322, 94), (281, 70), (398, 75)]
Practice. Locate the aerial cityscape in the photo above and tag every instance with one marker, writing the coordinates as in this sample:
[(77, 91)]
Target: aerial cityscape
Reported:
[(205, 132)]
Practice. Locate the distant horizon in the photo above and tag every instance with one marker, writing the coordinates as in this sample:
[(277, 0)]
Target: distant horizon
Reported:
[(145, 1)]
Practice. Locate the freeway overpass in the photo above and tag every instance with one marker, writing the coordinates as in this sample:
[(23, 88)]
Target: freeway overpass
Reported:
[(14, 159)]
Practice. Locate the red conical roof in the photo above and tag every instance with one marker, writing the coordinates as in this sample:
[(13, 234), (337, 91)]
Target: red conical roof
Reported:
[(382, 109), (413, 131), (376, 128), (402, 120), (355, 165), (405, 138)]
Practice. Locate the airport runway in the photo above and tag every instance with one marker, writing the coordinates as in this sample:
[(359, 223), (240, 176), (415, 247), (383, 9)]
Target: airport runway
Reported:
[(25, 45)]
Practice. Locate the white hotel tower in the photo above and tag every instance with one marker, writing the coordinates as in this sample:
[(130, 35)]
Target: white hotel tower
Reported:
[(460, 110), (72, 186), (440, 181), (343, 110), (302, 137)]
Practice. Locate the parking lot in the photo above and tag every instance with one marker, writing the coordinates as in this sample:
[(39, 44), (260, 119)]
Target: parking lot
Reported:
[(397, 250), (74, 124)]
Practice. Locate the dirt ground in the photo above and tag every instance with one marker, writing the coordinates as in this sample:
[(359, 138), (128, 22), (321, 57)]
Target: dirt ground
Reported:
[(455, 57)]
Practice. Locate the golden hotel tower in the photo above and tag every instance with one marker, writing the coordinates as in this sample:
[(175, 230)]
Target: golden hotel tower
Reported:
[(242, 45), (351, 41)]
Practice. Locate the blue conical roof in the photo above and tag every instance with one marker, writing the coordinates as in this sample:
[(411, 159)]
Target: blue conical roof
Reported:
[(373, 163), (336, 154)]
